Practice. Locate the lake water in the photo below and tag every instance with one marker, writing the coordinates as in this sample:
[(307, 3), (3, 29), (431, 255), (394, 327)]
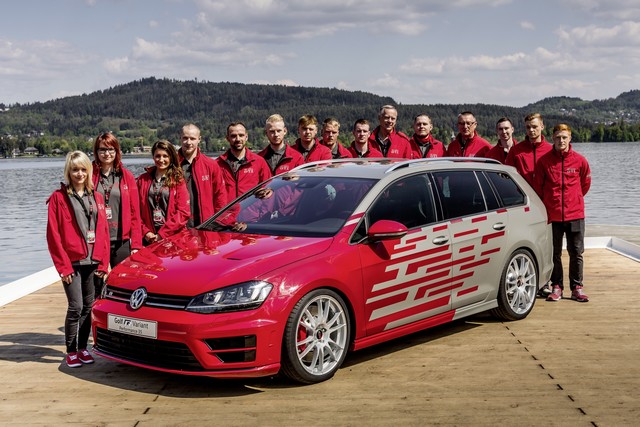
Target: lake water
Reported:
[(614, 199)]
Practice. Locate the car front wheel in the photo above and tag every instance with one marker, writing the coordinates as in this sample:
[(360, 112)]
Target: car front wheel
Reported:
[(518, 287), (316, 337)]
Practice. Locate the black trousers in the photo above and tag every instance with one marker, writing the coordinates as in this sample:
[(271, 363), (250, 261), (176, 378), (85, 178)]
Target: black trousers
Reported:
[(80, 295), (573, 231), (120, 249)]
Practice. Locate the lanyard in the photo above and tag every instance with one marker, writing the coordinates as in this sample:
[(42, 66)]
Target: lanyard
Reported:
[(107, 191), (88, 213), (157, 191)]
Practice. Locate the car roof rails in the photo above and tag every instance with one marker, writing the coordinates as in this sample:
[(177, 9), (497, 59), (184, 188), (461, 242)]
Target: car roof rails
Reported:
[(418, 162), (395, 163), (336, 161)]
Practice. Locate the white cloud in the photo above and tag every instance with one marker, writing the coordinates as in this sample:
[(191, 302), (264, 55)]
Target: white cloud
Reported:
[(387, 81), (607, 9), (625, 34), (117, 65), (526, 25)]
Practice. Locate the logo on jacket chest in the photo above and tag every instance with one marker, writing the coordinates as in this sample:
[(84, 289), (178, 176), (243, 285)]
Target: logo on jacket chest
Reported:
[(205, 177), (247, 170)]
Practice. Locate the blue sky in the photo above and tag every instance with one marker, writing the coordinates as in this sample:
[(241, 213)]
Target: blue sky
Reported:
[(505, 52)]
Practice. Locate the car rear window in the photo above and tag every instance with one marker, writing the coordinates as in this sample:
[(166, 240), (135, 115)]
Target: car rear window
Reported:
[(508, 191)]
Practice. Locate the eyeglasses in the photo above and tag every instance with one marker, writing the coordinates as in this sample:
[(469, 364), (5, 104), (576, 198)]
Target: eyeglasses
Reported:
[(465, 124), (106, 150)]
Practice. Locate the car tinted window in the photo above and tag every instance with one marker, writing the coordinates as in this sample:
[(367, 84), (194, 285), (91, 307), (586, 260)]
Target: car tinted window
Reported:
[(508, 191), (459, 192), (490, 196), (408, 201), (291, 205)]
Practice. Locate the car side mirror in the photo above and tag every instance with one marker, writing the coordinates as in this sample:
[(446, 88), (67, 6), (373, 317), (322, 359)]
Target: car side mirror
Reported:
[(385, 229)]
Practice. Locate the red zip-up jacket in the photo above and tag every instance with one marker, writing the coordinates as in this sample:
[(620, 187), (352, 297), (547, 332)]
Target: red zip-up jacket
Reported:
[(178, 210), (290, 160), (371, 152), (497, 152), (210, 185), (475, 147), (437, 148), (251, 173), (562, 180), (343, 152), (524, 156), (317, 152), (399, 148), (130, 221), (64, 238)]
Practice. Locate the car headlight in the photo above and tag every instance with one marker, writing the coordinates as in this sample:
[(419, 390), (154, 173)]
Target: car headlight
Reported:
[(243, 296)]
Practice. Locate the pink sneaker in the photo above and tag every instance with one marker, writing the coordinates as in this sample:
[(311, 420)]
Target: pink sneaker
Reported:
[(556, 294), (73, 361), (578, 295), (85, 356)]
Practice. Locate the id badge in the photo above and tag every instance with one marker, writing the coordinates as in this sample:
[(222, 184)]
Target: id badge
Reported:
[(91, 236), (158, 217), (107, 210)]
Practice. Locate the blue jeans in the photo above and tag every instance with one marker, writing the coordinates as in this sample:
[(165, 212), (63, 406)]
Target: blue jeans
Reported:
[(574, 232)]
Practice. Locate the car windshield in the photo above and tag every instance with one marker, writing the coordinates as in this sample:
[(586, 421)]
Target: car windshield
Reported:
[(293, 205)]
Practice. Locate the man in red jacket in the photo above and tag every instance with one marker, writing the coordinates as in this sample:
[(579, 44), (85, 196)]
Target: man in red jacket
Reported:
[(386, 139), (242, 169), (467, 143), (330, 133), (423, 144), (279, 156), (360, 147), (506, 141), (525, 155), (562, 178), (307, 144), (203, 177)]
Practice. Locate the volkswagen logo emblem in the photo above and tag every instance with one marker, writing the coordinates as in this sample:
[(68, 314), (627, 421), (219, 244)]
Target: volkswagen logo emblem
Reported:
[(138, 297)]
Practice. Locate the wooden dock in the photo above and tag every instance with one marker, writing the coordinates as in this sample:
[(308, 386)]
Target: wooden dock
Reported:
[(567, 364)]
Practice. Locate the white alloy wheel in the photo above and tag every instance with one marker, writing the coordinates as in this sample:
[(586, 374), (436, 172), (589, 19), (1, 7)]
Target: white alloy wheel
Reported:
[(316, 337), (518, 287)]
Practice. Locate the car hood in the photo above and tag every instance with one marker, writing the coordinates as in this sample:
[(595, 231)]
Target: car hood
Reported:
[(196, 261)]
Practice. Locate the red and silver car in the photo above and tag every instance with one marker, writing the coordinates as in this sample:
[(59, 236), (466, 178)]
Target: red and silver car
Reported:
[(332, 257)]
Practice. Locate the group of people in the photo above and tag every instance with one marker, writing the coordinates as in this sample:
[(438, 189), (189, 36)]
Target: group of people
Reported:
[(103, 214)]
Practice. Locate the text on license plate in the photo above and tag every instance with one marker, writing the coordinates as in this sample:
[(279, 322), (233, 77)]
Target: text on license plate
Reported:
[(131, 326)]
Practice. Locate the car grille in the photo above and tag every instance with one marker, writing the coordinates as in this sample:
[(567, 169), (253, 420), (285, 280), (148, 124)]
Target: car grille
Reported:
[(161, 354), (170, 302)]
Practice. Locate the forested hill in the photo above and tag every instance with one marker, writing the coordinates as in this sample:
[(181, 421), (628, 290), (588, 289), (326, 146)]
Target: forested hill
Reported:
[(144, 110)]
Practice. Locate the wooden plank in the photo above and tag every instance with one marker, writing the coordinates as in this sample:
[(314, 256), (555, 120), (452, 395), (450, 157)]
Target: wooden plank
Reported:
[(566, 364)]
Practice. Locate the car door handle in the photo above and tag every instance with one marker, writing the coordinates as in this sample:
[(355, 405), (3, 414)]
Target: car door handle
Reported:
[(440, 240), (499, 226)]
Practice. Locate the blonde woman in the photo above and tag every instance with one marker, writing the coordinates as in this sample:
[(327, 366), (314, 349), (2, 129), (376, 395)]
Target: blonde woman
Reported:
[(78, 241)]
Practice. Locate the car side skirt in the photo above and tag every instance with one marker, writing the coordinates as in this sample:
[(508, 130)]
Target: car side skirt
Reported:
[(430, 322), (401, 331)]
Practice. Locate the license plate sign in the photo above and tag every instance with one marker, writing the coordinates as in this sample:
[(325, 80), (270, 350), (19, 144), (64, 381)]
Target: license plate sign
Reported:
[(131, 326)]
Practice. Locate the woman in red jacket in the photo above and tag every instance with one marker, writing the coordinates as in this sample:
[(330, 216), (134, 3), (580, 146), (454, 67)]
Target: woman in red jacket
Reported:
[(122, 203), (164, 198), (78, 241)]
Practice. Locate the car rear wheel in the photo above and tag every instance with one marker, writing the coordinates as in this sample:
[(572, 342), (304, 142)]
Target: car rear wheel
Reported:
[(518, 287), (316, 337)]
